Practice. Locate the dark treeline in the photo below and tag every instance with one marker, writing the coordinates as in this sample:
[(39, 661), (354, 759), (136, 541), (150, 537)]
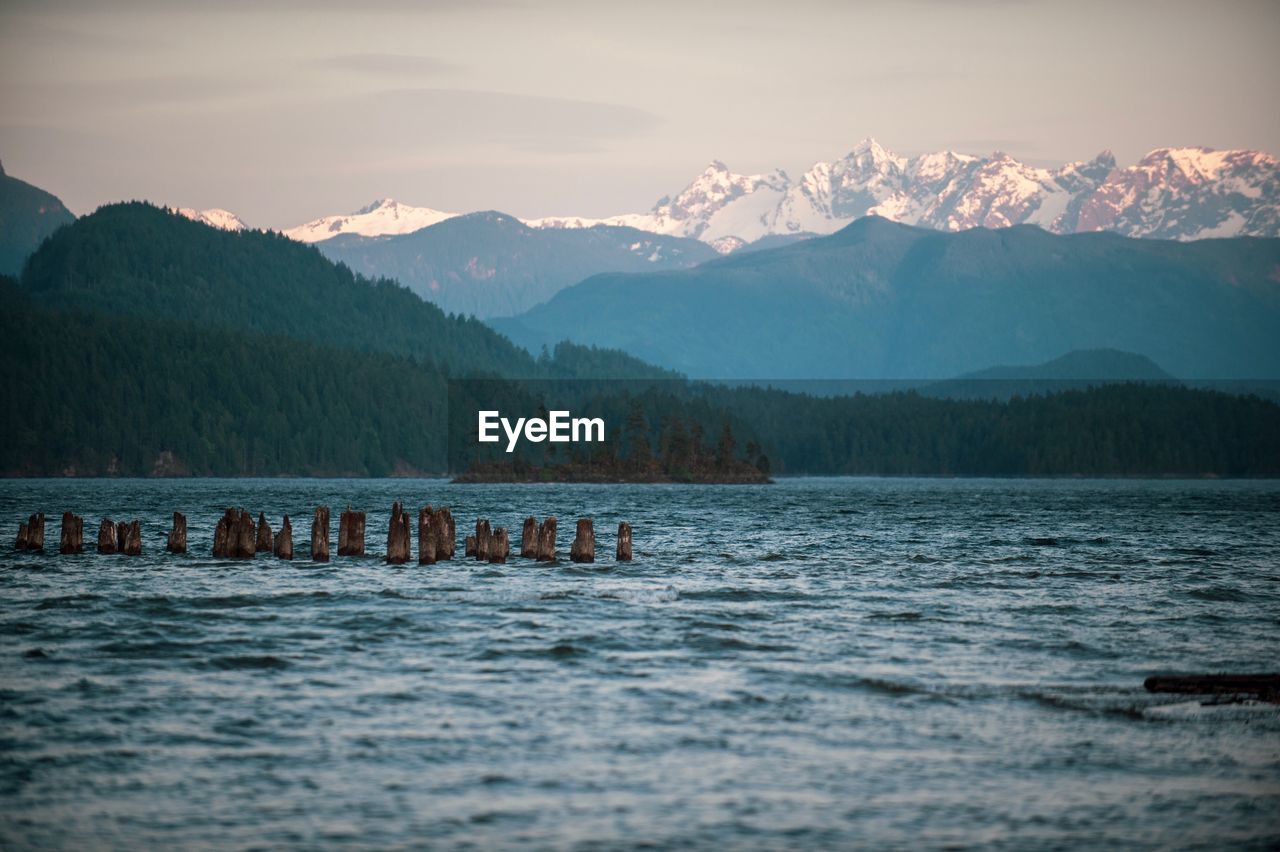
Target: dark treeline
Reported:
[(140, 343)]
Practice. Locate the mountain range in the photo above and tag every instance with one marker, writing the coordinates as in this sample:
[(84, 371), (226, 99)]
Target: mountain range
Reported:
[(28, 214), (490, 264), (883, 300)]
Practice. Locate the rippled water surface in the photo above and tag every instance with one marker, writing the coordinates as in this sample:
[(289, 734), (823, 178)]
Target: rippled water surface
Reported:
[(817, 663)]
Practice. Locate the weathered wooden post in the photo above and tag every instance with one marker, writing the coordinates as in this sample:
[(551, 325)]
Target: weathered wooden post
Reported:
[(107, 536), (122, 532), (223, 534), (398, 541), (320, 535), (282, 547), (484, 540), (246, 543), (351, 533), (624, 542), (428, 540), (583, 548), (177, 542), (72, 540), (469, 546), (132, 545), (447, 548), (31, 534), (529, 538), (265, 538), (547, 540), (499, 546)]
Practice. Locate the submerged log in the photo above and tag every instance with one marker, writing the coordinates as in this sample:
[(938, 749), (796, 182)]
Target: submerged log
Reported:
[(177, 542), (583, 548), (320, 535), (529, 538), (398, 540), (428, 536), (132, 545), (282, 547), (351, 533), (469, 546), (547, 540), (107, 536), (499, 546), (72, 539), (624, 542), (1264, 686), (246, 539), (484, 539), (265, 538)]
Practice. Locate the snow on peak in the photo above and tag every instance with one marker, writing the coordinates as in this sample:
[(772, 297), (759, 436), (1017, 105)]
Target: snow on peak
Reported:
[(383, 217), (214, 217)]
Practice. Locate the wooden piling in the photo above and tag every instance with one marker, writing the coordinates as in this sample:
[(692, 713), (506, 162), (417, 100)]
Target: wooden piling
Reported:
[(428, 537), (282, 546), (624, 542), (583, 548), (351, 533), (320, 535), (499, 546), (447, 543), (122, 533), (222, 538), (529, 538), (469, 546), (484, 540), (177, 542), (246, 541), (31, 534), (72, 539), (398, 540), (265, 539), (547, 540), (132, 539), (107, 536)]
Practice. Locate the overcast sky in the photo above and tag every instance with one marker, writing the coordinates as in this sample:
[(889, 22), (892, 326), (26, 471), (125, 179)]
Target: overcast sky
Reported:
[(282, 112)]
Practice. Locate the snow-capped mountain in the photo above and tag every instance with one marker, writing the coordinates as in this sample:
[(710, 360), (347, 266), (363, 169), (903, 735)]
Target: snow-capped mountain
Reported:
[(382, 217), (216, 217), (1175, 193)]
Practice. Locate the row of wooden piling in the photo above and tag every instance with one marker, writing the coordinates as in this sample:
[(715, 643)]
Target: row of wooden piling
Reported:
[(238, 536)]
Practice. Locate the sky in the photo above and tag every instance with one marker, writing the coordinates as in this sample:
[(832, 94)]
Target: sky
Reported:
[(286, 111)]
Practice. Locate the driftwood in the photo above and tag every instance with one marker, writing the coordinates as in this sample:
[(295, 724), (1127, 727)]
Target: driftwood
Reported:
[(428, 536), (547, 540), (469, 546), (399, 542), (529, 538), (107, 536), (624, 542), (484, 540), (499, 546), (72, 539), (131, 541), (282, 547), (351, 533), (320, 535), (583, 548), (177, 542), (1264, 686), (265, 539)]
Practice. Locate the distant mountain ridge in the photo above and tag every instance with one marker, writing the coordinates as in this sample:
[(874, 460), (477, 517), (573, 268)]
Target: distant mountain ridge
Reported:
[(881, 300), (1171, 193), (28, 214)]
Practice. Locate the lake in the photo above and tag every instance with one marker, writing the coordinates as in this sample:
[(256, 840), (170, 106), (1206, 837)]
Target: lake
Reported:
[(819, 663)]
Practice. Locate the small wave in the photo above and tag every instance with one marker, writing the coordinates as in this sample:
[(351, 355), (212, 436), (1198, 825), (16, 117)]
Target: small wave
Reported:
[(1040, 541), (67, 601), (1218, 593), (249, 662)]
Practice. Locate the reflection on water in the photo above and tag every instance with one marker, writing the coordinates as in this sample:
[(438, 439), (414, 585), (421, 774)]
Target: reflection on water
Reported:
[(814, 663)]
